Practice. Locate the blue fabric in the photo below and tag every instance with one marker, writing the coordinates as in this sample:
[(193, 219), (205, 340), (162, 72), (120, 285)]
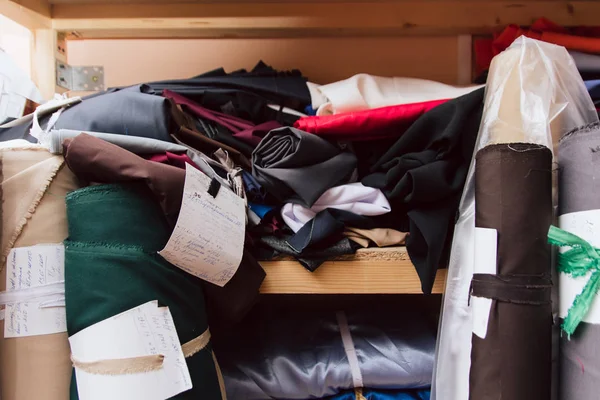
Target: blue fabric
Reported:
[(254, 191), (593, 88), (371, 394), (310, 111), (592, 84), (260, 209)]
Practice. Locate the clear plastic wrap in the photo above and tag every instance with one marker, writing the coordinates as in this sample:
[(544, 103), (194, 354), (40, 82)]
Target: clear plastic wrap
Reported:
[(534, 94)]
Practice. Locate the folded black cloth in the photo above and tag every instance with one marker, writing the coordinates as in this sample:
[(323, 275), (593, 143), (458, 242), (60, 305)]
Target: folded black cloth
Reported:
[(423, 175), (271, 246), (297, 166), (284, 88)]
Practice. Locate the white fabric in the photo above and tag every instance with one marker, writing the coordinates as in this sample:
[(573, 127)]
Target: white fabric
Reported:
[(357, 379), (353, 197), (362, 92), (316, 97), (15, 88)]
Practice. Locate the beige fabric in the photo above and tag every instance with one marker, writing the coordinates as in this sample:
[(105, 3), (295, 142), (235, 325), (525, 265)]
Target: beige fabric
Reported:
[(220, 377), (382, 237), (34, 186), (121, 366), (195, 345)]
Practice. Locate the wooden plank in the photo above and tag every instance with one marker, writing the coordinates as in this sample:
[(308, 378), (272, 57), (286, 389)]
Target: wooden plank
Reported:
[(369, 271), (32, 14), (320, 19), (322, 60)]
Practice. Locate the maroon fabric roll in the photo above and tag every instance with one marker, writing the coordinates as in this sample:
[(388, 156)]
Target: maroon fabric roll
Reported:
[(377, 123), (513, 194)]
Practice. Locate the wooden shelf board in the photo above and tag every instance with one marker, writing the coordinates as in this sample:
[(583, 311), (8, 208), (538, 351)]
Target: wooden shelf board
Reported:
[(369, 271), (297, 19)]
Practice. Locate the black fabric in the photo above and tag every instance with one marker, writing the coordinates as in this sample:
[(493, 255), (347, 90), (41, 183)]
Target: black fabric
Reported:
[(423, 175), (296, 166), (285, 88), (512, 289), (325, 226), (269, 247), (223, 135)]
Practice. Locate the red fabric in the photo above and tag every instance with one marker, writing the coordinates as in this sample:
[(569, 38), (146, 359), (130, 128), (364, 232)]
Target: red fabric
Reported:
[(377, 123), (176, 160), (586, 39), (244, 130)]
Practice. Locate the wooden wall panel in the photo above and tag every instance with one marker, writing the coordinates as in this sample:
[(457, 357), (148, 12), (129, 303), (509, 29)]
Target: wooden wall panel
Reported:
[(323, 60)]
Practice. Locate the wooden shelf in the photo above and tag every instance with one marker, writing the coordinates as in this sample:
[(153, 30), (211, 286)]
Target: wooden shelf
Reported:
[(297, 18), (369, 271)]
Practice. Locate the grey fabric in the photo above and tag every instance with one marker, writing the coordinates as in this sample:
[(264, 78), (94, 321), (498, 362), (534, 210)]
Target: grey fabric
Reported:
[(296, 166), (125, 112), (579, 367), (579, 190), (579, 172), (586, 62), (135, 144), (300, 354)]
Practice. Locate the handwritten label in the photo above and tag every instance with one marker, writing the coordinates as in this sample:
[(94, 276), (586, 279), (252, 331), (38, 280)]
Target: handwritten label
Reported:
[(29, 267), (142, 331), (208, 239)]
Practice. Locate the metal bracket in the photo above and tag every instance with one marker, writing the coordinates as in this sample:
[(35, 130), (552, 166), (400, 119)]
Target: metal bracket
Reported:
[(83, 78)]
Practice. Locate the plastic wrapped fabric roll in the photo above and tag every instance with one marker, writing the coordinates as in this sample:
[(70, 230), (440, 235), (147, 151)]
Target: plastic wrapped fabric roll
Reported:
[(534, 95), (34, 186)]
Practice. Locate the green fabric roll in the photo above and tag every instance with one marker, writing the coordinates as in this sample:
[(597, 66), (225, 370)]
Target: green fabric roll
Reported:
[(111, 266)]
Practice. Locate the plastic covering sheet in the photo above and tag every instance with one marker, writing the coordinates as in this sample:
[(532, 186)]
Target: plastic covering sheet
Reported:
[(534, 94)]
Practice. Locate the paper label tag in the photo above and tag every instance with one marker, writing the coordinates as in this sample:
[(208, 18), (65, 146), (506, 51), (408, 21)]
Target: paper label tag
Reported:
[(142, 331), (481, 308), (28, 267), (208, 239), (586, 225), (486, 254)]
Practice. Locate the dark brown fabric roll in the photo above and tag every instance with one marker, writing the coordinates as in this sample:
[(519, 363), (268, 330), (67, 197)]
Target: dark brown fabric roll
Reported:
[(513, 192)]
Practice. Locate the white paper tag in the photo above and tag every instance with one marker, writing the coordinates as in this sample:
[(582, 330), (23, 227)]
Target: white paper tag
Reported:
[(142, 331), (29, 267), (481, 308), (208, 239), (586, 225), (486, 254)]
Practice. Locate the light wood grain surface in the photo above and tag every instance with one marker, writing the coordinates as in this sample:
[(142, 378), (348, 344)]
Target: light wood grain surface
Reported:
[(298, 19), (370, 271)]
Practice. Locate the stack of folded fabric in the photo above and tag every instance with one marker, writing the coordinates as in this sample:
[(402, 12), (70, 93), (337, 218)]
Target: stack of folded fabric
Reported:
[(382, 163)]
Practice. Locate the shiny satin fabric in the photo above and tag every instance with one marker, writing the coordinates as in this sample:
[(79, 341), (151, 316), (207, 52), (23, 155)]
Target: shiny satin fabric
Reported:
[(374, 394), (378, 123), (300, 355), (34, 186), (296, 166)]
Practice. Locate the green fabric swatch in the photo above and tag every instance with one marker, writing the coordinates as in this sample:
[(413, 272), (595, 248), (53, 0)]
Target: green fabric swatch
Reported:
[(111, 266)]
